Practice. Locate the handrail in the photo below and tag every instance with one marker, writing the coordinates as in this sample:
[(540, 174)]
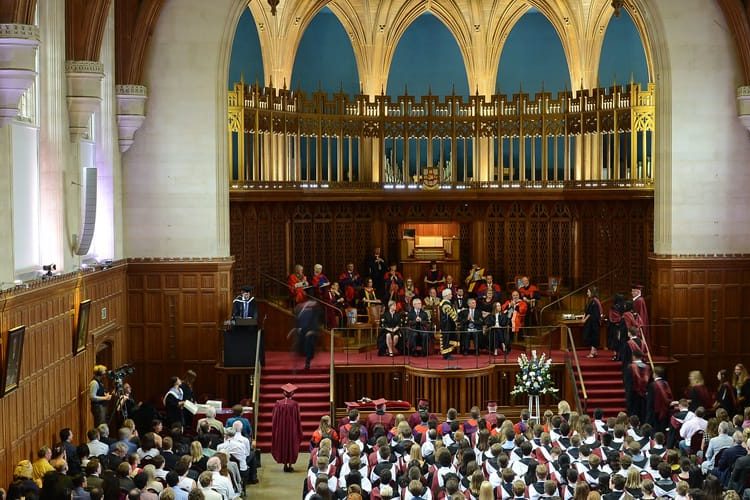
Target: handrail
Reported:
[(648, 348), (331, 379), (571, 374), (597, 280), (339, 312), (578, 367), (256, 379)]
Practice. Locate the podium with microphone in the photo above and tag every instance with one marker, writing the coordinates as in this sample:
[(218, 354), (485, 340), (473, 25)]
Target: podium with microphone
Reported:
[(243, 338)]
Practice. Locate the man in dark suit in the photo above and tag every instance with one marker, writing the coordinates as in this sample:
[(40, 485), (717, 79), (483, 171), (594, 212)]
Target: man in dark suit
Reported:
[(729, 457), (741, 471), (419, 329), (376, 270), (470, 321), (74, 462), (459, 301)]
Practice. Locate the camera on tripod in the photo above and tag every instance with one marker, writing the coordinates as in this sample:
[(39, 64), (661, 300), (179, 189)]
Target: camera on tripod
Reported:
[(117, 376)]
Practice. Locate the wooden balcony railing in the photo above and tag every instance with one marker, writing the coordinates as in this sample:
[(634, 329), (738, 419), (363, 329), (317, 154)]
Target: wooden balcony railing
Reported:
[(278, 135)]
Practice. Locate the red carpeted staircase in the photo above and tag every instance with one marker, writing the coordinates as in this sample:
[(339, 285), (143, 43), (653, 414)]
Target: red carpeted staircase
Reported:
[(603, 380), (312, 396)]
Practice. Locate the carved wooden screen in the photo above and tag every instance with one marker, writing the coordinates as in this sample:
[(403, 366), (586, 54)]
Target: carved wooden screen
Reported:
[(537, 238)]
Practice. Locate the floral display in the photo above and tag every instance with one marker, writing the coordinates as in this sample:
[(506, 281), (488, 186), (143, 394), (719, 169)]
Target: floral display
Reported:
[(534, 377)]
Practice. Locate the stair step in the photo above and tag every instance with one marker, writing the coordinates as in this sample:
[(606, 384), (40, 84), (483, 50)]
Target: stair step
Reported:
[(302, 387), (282, 378)]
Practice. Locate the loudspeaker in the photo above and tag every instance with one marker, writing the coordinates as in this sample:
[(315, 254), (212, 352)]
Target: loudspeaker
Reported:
[(89, 212)]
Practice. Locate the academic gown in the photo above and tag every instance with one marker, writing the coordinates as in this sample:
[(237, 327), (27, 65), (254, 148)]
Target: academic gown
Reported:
[(244, 308), (286, 434), (386, 420)]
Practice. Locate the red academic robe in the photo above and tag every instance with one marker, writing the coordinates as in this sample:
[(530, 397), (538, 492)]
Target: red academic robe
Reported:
[(639, 306), (373, 419), (286, 433), (482, 290), (350, 284), (518, 319), (529, 292), (297, 292), (662, 398)]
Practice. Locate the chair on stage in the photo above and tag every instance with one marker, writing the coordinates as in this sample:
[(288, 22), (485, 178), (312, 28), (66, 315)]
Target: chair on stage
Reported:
[(553, 289)]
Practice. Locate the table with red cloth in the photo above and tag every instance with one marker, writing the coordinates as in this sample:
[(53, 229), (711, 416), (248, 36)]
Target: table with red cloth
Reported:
[(225, 414), (390, 406)]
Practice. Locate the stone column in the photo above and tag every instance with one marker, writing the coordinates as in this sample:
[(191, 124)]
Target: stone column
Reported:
[(18, 44)]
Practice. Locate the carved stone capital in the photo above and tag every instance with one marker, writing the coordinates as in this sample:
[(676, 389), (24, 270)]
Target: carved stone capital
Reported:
[(743, 102), (84, 80), (18, 45), (131, 112)]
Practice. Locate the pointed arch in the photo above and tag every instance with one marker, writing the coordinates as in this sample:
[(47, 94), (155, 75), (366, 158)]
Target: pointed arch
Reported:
[(325, 42), (397, 22), (280, 35), (532, 39), (629, 54), (411, 62), (246, 55)]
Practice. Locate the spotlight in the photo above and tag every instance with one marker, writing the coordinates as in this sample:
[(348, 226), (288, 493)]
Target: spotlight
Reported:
[(49, 268)]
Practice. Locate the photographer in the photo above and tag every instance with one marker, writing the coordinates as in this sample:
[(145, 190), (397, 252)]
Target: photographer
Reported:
[(98, 396)]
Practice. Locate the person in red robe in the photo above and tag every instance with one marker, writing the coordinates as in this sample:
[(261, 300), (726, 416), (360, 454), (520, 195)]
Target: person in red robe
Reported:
[(659, 401), (489, 284), (490, 418), (319, 280), (639, 307), (351, 283), (434, 278), (636, 378), (332, 295), (379, 417), (391, 277), (517, 315), (530, 294), (423, 408), (286, 427), (297, 283)]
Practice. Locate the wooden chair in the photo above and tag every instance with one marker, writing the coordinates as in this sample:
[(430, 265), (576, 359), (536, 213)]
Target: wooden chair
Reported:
[(553, 289)]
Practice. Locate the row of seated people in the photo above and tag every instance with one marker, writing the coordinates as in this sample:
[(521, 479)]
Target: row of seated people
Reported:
[(490, 326), (353, 291), (216, 464), (490, 457)]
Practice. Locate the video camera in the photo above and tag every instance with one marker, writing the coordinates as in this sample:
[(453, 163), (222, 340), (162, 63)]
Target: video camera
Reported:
[(117, 376)]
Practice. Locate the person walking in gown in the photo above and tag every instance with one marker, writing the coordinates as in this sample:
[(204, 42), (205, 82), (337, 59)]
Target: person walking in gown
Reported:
[(286, 429)]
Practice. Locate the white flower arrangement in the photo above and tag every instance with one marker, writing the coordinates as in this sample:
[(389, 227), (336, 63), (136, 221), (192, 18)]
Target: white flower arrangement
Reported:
[(534, 377)]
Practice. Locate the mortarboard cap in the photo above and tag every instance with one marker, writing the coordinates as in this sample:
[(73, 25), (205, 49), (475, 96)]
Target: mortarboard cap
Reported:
[(423, 403), (289, 388), (247, 288), (379, 402), (636, 286)]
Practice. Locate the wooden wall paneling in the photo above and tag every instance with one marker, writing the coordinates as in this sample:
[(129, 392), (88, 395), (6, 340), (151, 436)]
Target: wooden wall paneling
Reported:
[(52, 387), (701, 298)]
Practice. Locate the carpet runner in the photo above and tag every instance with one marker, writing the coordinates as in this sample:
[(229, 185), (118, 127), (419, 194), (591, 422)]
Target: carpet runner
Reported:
[(603, 380), (312, 396)]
